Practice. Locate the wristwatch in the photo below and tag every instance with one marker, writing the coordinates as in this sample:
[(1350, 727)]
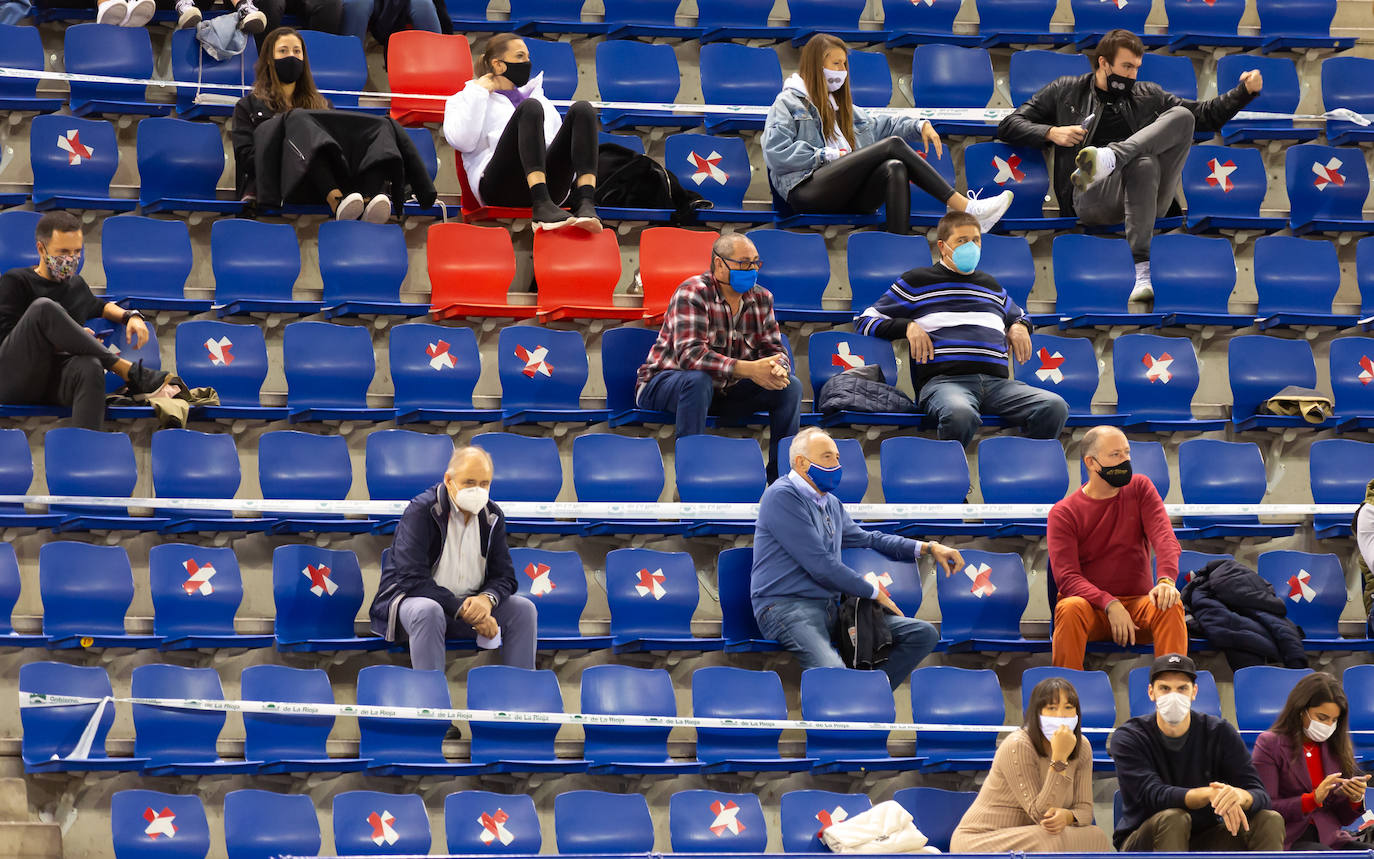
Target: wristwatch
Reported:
[(1059, 766), (130, 314)]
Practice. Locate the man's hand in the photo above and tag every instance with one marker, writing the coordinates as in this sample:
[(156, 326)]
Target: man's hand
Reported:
[(886, 602), (1056, 819), (1123, 628), (1229, 804), (1353, 788), (475, 610), (1328, 784), (488, 628), (929, 136), (1253, 81), (90, 332), (769, 373), (1019, 338), (1067, 135), (136, 332), (922, 350), (945, 557), (1164, 595)]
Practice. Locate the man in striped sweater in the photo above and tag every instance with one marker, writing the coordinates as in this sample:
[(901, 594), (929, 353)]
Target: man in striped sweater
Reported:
[(959, 323)]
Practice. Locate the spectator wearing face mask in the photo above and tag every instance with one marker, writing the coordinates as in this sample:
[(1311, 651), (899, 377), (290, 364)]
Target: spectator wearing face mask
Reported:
[(1187, 783), (960, 324), (516, 150), (50, 357), (827, 156), (1100, 539), (1308, 767), (1038, 797)]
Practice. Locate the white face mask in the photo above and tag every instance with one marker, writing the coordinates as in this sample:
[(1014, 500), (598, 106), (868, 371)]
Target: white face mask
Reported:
[(1319, 732), (470, 499), (834, 79), (1050, 724), (1173, 707)]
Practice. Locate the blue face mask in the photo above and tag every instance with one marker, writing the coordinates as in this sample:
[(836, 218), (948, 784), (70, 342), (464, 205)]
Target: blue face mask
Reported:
[(966, 256), (826, 479), (743, 280)]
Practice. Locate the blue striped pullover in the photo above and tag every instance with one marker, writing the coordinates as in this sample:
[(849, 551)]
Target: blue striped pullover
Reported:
[(966, 315)]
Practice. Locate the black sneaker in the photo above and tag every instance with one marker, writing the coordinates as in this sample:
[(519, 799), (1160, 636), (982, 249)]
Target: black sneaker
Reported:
[(145, 381), (547, 216), (455, 733), (584, 214)]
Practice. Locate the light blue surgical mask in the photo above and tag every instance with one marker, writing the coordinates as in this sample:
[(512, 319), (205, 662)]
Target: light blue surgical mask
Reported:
[(966, 256)]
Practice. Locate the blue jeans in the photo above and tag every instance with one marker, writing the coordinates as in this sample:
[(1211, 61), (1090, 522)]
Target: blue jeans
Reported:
[(13, 11), (356, 14), (803, 627), (955, 402), (690, 396)]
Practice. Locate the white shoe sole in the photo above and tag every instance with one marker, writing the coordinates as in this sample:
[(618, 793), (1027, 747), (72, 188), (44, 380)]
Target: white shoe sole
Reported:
[(378, 210), (546, 226), (140, 13), (112, 14), (190, 18), (350, 208), (591, 225)]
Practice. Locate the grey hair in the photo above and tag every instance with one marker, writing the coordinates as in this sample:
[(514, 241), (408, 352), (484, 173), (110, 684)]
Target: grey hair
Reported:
[(725, 244), (462, 452), (1093, 438), (802, 439)]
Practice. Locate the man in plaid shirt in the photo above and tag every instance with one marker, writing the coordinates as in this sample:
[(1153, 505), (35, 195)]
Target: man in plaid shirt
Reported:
[(720, 352)]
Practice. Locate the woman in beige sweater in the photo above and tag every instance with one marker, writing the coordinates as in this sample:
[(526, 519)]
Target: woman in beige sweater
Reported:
[(1038, 797)]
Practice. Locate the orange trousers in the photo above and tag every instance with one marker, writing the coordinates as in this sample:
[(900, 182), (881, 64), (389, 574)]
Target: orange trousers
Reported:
[(1077, 621)]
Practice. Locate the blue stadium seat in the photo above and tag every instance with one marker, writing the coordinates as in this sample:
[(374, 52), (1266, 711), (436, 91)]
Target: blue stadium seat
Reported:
[(847, 695), (21, 48), (918, 470), (870, 78), (256, 265), (1345, 83), (630, 71), (723, 692), (230, 358), (1156, 380), (1260, 367), (542, 373), (1066, 366), (1003, 23), (1138, 691), (901, 580), (646, 19), (1337, 469), (1352, 371), (401, 464), (1312, 587), (293, 743), (555, 61), (1031, 71), (1296, 25), (723, 20), (1281, 94), (706, 821), (1172, 73), (623, 350), (105, 469), (1224, 472), (50, 736), (177, 741), (876, 259), (260, 824), (1210, 25), (190, 464), (854, 484), (147, 263), (1093, 278), (470, 16), (1093, 18), (338, 63), (1364, 276), (1297, 281), (73, 162), (947, 75), (1327, 187), (1261, 691), (632, 142), (512, 747), (738, 75), (191, 63), (146, 824), (479, 822), (1097, 704), (652, 597), (796, 269), (528, 468), (936, 812), (1193, 278), (926, 211), (196, 592), (982, 604), (612, 468), (369, 823), (328, 370), (103, 49), (179, 165), (615, 750), (906, 23), (10, 586), (17, 243), (434, 369), (1015, 470), (1190, 562), (805, 814), (717, 168), (363, 266), (830, 353), (318, 593), (738, 626), (994, 167), (593, 822), (302, 465), (1008, 259), (1358, 682), (979, 702), (534, 17), (838, 18), (16, 476), (406, 747), (715, 469)]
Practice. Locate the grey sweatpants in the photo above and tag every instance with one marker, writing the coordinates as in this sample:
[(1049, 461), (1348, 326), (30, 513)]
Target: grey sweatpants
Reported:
[(1148, 166), (427, 628)]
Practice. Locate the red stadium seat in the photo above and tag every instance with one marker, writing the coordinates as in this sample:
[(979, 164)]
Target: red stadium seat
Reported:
[(425, 63), (577, 272), (667, 257), (470, 272)]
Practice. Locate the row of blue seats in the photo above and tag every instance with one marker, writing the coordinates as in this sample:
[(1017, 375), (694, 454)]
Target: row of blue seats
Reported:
[(259, 824)]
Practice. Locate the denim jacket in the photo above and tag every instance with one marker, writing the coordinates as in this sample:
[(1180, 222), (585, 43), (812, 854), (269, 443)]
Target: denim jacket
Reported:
[(793, 143)]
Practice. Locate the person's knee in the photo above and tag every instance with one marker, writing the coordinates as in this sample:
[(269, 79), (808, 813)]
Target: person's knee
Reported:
[(1171, 821), (1073, 610), (41, 307), (581, 112), (520, 612), (423, 616), (530, 107), (893, 172), (1144, 168), (1048, 416), (696, 387), (891, 147), (1266, 831), (1181, 118), (957, 417)]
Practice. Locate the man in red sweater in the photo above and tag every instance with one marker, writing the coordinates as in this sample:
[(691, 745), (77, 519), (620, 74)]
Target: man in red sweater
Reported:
[(1098, 550)]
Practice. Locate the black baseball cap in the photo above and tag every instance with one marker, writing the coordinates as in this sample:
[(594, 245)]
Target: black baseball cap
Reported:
[(1175, 662)]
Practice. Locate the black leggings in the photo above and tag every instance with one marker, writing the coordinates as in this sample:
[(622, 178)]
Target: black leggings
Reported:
[(865, 179), (521, 151)]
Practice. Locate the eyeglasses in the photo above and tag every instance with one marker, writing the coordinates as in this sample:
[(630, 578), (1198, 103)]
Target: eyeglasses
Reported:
[(744, 264)]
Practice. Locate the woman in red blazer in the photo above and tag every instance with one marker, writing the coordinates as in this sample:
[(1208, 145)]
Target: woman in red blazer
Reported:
[(1308, 766)]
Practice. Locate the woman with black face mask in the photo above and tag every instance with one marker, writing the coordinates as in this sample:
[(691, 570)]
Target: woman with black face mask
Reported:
[(284, 83), (516, 150)]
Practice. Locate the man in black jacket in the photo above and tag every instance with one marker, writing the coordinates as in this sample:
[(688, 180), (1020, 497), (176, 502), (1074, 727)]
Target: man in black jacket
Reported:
[(1128, 138), (1187, 783), (449, 574)]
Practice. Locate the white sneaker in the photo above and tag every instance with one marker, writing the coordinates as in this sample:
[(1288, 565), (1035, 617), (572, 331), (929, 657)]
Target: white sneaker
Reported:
[(112, 12), (140, 13), (1094, 162), (378, 210), (989, 211), (188, 14), (1144, 290), (350, 208), (251, 21)]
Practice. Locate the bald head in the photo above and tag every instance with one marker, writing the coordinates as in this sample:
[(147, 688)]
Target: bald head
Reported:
[(734, 261), (1098, 439)]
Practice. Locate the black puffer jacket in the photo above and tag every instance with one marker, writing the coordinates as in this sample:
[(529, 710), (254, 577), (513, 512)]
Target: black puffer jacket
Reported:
[(1240, 615), (861, 389)]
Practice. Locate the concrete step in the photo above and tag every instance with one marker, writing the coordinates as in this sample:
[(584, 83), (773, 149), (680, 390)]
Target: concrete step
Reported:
[(31, 840), (14, 801)]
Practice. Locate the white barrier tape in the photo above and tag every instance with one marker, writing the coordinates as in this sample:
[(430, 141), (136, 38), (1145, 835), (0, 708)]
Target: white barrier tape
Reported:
[(962, 114), (588, 510)]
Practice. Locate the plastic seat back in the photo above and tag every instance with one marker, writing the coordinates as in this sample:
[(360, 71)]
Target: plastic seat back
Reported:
[(86, 589), (918, 470), (1092, 274), (327, 365), (668, 256), (979, 702), (293, 464), (433, 366), (501, 687), (16, 469), (575, 268), (1008, 259), (715, 469), (832, 352), (190, 464), (556, 62), (900, 579), (1192, 274), (739, 74), (950, 76), (1358, 682), (611, 467), (623, 350), (1222, 181), (253, 260), (1014, 470), (557, 585), (870, 79), (541, 368), (1364, 273), (469, 264), (994, 167), (370, 823), (1220, 472), (593, 822), (1090, 16), (724, 692), (805, 814), (426, 64), (271, 737), (104, 49), (54, 732), (1173, 73), (716, 167), (401, 464), (623, 690), (1325, 182), (191, 63), (145, 257), (170, 736), (196, 589), (707, 821), (146, 823), (846, 695), (1032, 71), (260, 824), (71, 157), (1281, 92), (1156, 377), (1294, 275), (876, 260), (17, 236), (470, 816), (177, 158), (20, 48), (230, 358), (733, 13), (733, 569), (1262, 366), (1305, 18), (936, 812), (1311, 586), (854, 484), (985, 599), (651, 594), (795, 267), (527, 467), (394, 741), (1345, 83), (1221, 18), (105, 466), (637, 72), (1261, 691), (1097, 704), (9, 587), (338, 63), (1066, 366), (361, 261), (317, 593)]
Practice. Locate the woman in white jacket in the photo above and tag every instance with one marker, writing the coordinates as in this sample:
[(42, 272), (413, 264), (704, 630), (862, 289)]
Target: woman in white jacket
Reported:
[(516, 151)]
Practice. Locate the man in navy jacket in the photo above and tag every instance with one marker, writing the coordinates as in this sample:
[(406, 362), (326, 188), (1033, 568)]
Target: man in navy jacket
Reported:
[(449, 574)]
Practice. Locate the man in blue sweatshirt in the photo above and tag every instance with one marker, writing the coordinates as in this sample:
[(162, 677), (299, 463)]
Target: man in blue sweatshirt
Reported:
[(960, 323), (798, 576)]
